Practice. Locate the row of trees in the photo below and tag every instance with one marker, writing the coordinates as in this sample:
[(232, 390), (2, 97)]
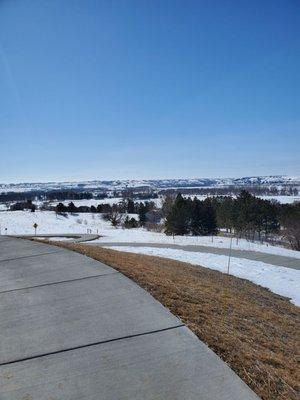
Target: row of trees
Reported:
[(114, 212), (187, 216), (67, 195), (245, 216), (23, 205), (233, 191), (127, 206), (59, 195)]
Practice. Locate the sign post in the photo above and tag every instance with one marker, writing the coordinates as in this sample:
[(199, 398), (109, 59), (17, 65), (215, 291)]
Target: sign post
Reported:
[(35, 225), (229, 256)]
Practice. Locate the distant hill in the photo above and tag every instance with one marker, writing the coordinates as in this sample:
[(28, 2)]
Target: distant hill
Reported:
[(276, 180)]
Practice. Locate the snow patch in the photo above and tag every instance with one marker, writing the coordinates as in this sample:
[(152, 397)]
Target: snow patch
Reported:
[(280, 280)]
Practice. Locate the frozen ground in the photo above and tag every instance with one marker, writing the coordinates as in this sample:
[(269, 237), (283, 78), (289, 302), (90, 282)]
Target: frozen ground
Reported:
[(280, 280), (21, 222)]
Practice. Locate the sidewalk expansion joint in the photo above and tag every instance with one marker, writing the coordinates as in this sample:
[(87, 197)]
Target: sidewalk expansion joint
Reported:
[(90, 345), (59, 282), (32, 255)]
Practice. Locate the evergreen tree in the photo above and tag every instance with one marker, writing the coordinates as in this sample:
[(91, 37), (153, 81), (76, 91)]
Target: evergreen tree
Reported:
[(130, 223), (72, 208), (130, 206), (246, 213), (142, 214), (267, 217), (209, 224), (197, 217), (99, 208), (203, 218), (60, 208), (178, 218), (225, 211), (167, 205)]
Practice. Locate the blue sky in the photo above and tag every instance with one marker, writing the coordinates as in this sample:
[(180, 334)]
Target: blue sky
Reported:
[(96, 89)]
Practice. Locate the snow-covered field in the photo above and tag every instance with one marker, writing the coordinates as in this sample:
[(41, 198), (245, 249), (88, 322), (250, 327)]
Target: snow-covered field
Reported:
[(90, 202), (280, 280), (21, 222), (282, 199), (107, 200), (84, 202)]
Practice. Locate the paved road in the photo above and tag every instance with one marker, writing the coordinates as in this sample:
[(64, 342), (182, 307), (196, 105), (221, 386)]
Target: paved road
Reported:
[(72, 328), (76, 237), (283, 261)]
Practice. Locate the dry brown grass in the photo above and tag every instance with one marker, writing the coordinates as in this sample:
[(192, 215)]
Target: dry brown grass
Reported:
[(252, 329)]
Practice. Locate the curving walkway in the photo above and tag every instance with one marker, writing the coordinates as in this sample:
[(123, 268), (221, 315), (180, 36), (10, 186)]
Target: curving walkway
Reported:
[(283, 261), (77, 237), (73, 328)]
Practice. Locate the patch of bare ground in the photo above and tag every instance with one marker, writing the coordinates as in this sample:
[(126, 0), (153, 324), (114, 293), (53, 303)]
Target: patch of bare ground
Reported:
[(255, 331)]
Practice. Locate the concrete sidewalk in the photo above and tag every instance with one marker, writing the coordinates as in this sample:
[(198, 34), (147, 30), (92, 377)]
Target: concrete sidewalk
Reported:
[(72, 328)]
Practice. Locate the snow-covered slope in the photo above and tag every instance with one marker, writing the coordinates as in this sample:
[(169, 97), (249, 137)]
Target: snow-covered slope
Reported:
[(279, 180)]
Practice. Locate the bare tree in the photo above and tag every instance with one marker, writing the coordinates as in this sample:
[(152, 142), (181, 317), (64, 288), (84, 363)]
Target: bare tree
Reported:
[(292, 232), (114, 217)]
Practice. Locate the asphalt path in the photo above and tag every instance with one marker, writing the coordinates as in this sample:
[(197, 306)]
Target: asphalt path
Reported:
[(282, 261)]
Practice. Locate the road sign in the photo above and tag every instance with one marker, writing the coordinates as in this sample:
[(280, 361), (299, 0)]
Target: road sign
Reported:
[(35, 225)]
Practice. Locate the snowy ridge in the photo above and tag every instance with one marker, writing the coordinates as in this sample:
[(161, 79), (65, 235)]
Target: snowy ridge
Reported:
[(276, 180)]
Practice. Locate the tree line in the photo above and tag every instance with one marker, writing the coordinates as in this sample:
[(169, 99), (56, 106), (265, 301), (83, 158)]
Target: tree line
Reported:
[(114, 212), (233, 191), (246, 216), (187, 216), (126, 206), (59, 195)]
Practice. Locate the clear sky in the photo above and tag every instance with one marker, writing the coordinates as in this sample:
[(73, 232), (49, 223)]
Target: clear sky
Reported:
[(105, 89)]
